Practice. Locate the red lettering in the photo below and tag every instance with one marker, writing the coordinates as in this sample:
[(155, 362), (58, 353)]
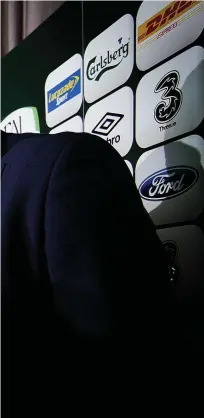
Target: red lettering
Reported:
[(170, 12), (160, 34), (141, 37), (184, 5), (153, 24), (167, 30)]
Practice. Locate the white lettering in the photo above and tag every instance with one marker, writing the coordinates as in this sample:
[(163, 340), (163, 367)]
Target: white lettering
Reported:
[(61, 99), (161, 186)]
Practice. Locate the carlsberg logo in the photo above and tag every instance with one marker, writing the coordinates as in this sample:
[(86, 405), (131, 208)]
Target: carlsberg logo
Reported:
[(98, 65)]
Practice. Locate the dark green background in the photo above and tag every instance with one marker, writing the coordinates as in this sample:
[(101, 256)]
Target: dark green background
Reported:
[(67, 32)]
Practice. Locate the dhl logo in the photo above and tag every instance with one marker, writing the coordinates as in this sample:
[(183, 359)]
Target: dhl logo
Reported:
[(166, 15), (69, 86)]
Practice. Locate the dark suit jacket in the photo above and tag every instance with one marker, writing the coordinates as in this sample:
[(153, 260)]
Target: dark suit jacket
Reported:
[(82, 268)]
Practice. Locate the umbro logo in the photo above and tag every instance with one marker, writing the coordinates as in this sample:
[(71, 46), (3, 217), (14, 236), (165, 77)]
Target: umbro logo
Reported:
[(107, 123), (112, 120)]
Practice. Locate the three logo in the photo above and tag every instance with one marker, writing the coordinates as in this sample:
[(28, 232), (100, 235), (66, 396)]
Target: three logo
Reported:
[(171, 97), (168, 183), (165, 105)]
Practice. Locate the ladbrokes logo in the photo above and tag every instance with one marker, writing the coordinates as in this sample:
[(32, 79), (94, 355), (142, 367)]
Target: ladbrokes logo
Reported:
[(171, 97), (105, 126), (168, 183), (174, 10), (99, 65), (64, 91)]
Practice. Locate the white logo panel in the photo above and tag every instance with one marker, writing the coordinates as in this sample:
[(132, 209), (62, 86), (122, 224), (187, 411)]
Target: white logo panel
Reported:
[(72, 125), (170, 180), (170, 99), (21, 121), (184, 247), (112, 120), (163, 28), (129, 166), (63, 91), (109, 59)]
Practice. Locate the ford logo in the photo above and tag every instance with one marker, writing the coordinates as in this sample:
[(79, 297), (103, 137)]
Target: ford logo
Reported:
[(168, 183)]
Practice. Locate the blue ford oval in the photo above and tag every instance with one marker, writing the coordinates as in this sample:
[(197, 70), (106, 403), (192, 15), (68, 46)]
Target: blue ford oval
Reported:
[(168, 183)]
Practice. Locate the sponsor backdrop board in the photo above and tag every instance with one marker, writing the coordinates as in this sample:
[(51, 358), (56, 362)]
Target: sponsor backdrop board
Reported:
[(133, 76), (45, 67)]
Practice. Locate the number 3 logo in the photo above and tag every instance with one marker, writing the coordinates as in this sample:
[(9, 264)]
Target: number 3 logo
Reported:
[(171, 97)]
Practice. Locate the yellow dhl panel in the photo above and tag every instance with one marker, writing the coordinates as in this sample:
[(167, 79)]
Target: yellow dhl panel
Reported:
[(163, 17)]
